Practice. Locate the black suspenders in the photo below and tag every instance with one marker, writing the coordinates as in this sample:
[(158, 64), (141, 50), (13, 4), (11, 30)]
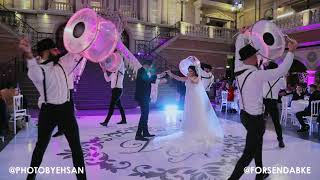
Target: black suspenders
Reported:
[(270, 88), (65, 76), (119, 72), (45, 85), (241, 87), (202, 77)]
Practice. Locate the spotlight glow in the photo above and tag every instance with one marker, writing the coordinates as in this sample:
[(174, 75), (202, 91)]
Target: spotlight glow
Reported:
[(171, 112), (171, 108)]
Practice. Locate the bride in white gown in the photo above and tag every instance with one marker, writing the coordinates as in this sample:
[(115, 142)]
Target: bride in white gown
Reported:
[(201, 128)]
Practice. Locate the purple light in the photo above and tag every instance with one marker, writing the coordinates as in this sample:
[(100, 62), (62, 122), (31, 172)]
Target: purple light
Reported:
[(304, 28), (311, 43), (311, 76)]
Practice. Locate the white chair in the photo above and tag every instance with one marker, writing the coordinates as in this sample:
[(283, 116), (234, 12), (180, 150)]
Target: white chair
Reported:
[(224, 100), (237, 101), (18, 112), (285, 110), (226, 103), (315, 105)]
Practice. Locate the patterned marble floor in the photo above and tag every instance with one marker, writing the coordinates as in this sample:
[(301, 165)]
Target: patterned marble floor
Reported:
[(112, 153)]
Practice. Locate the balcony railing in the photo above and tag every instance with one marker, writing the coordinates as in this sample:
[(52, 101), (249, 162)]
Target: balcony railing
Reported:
[(129, 13), (61, 6), (304, 18), (211, 32), (97, 9)]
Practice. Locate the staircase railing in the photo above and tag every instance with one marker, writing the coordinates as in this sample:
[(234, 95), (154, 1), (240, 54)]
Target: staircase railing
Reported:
[(22, 28), (11, 71), (146, 49), (149, 46)]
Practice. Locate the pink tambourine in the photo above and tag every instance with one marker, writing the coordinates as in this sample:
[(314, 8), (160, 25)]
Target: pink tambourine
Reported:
[(92, 36), (112, 63)]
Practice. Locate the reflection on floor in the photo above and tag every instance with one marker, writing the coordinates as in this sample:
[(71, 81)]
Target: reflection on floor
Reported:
[(112, 152)]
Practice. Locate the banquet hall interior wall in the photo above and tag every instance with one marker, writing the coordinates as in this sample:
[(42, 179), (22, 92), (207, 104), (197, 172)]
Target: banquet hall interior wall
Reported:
[(145, 22)]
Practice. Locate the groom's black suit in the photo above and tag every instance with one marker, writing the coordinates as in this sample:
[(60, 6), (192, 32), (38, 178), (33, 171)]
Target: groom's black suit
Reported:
[(142, 96)]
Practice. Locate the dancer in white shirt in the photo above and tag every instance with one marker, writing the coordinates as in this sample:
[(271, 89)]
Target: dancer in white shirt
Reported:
[(116, 79), (50, 79), (250, 82), (271, 90), (71, 62), (207, 77)]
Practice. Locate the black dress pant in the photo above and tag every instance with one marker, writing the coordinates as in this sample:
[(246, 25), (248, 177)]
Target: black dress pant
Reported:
[(60, 129), (49, 117), (271, 107), (255, 126), (115, 100), (143, 123), (300, 116)]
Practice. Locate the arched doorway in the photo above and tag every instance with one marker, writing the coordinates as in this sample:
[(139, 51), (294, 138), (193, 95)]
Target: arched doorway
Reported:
[(125, 39)]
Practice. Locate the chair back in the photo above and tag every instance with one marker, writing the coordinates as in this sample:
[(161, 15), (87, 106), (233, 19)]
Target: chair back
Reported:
[(285, 102), (315, 105), (17, 103), (224, 96)]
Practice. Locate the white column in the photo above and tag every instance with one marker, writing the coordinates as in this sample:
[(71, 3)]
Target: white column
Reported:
[(178, 10), (275, 7), (144, 10), (197, 12), (79, 4), (164, 12)]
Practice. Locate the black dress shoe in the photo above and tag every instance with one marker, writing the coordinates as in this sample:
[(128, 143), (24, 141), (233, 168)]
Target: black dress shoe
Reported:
[(266, 175), (122, 122), (281, 144), (104, 124), (149, 135), (262, 176), (57, 134), (141, 138)]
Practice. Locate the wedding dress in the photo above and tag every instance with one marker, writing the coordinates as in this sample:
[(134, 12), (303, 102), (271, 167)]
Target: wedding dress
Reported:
[(200, 128)]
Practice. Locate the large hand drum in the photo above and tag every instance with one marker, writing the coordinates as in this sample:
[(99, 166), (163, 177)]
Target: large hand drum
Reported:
[(185, 63), (112, 63), (90, 35), (268, 38)]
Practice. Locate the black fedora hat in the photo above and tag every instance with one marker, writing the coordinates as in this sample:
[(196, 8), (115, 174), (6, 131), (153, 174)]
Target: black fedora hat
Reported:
[(45, 44), (204, 65), (246, 52)]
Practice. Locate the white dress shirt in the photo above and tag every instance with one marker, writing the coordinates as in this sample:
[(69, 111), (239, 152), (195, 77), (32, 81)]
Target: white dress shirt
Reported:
[(117, 77), (276, 87), (251, 98), (207, 79), (69, 61), (56, 82)]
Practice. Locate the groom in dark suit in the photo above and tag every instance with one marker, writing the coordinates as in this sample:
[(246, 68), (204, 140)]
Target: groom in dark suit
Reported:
[(142, 96)]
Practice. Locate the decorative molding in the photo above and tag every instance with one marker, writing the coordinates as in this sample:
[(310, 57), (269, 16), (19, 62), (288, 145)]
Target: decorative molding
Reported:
[(202, 51), (214, 40), (220, 15)]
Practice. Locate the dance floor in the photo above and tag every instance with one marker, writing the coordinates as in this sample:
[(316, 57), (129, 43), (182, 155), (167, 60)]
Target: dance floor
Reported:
[(112, 153)]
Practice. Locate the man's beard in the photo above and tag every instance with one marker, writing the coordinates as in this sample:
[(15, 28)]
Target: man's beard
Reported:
[(54, 58)]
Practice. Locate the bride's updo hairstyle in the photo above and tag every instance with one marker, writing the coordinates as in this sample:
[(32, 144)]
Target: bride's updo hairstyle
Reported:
[(193, 68)]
